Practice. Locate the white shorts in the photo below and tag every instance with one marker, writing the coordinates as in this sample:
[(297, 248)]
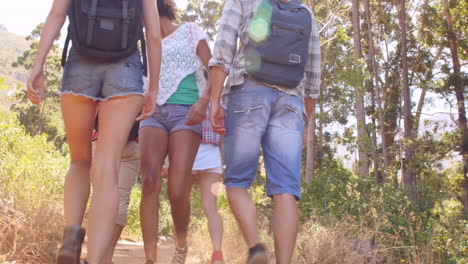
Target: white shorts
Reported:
[(217, 170), (208, 159)]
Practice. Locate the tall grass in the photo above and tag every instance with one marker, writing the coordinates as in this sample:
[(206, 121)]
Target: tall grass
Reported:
[(31, 180)]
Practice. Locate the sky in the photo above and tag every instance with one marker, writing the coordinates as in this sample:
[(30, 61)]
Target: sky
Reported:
[(22, 16)]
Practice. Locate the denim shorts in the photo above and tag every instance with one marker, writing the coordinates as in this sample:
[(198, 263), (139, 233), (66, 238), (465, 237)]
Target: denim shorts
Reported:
[(102, 81), (171, 118), (260, 116)]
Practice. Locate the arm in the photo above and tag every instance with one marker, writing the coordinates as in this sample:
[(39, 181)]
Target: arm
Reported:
[(52, 26), (223, 55), (154, 47), (312, 70), (218, 76), (197, 112)]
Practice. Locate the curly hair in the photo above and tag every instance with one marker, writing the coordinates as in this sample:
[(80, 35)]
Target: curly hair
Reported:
[(167, 9)]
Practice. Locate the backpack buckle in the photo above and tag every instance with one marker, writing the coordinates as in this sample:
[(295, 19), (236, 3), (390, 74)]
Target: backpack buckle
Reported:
[(294, 58)]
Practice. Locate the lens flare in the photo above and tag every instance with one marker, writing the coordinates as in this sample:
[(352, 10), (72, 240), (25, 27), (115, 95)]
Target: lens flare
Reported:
[(253, 60), (259, 28)]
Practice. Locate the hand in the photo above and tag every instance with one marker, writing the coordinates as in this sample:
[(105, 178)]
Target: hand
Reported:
[(36, 86), (197, 113), (217, 118), (149, 106)]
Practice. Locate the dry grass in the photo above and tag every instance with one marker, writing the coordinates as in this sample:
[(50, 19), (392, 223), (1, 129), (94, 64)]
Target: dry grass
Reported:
[(29, 233), (340, 244), (234, 248), (315, 245)]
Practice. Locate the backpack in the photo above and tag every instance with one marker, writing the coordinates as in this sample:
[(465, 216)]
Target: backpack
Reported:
[(105, 30), (278, 43)]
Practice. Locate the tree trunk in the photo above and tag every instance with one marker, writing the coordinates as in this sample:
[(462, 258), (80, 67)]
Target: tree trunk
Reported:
[(310, 160), (359, 99), (425, 87), (312, 4), (320, 153), (377, 93), (408, 174), (457, 83)]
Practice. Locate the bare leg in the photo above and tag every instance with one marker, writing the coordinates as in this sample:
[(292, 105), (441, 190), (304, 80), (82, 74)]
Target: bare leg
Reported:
[(245, 212), (78, 114), (116, 232), (285, 226), (209, 184), (153, 149), (128, 174), (116, 116), (183, 147)]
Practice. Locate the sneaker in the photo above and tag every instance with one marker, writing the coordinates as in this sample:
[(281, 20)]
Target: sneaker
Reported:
[(180, 254), (217, 257), (257, 255)]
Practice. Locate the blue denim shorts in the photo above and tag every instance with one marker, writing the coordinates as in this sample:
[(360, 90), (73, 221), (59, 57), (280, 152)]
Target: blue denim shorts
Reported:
[(102, 81), (171, 118), (260, 116)]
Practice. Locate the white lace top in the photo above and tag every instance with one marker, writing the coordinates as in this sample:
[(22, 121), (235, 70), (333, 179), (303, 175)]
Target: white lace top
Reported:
[(179, 59)]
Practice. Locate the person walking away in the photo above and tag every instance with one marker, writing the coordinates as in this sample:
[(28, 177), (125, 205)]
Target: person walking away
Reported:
[(208, 170), (273, 79), (184, 52), (100, 75)]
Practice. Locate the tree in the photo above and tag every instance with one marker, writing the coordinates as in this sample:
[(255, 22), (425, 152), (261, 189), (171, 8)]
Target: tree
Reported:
[(409, 179), (359, 98), (456, 81), (44, 118), (205, 13), (375, 93)]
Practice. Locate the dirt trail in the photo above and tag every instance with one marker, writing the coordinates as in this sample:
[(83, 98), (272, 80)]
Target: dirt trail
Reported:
[(132, 253)]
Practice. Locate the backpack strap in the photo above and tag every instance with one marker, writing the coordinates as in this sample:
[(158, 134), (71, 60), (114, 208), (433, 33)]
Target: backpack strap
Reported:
[(125, 22), (65, 47), (143, 54), (91, 22)]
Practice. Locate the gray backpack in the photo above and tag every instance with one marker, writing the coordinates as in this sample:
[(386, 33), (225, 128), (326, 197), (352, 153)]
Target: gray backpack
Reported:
[(277, 49)]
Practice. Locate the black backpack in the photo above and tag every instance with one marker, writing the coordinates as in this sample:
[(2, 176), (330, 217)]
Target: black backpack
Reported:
[(278, 45), (105, 30)]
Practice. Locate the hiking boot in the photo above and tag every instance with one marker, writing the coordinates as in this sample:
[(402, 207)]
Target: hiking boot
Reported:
[(217, 257), (70, 251), (180, 254), (257, 255)]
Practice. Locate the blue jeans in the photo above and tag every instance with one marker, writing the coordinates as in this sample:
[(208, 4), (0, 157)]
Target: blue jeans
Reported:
[(260, 116)]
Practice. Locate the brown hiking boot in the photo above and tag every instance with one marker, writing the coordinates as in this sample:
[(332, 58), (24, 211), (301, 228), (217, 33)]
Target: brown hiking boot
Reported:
[(70, 251), (257, 255)]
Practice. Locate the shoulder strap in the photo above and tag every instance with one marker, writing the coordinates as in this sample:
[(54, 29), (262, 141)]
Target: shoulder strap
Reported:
[(143, 54), (91, 21), (65, 47), (125, 21)]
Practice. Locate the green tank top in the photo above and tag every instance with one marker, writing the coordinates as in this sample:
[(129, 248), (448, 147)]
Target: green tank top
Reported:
[(186, 93)]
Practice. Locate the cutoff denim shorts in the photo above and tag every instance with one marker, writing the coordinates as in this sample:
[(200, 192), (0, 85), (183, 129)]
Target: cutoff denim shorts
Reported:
[(102, 81), (171, 118), (260, 116)]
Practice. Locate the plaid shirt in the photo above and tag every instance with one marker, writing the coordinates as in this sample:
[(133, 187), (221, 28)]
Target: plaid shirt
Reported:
[(234, 23), (208, 135)]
